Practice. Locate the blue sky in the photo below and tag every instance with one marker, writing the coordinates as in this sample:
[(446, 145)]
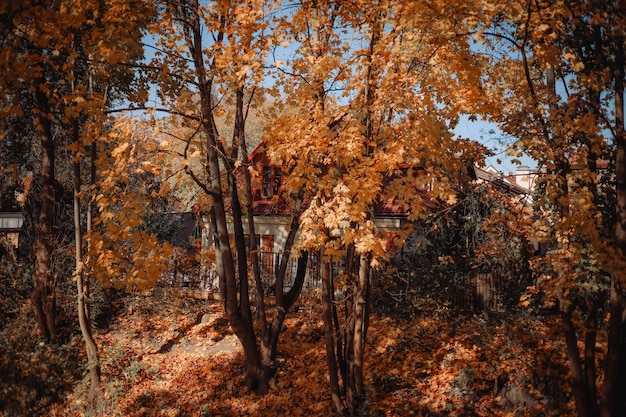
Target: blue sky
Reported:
[(489, 135), (482, 131)]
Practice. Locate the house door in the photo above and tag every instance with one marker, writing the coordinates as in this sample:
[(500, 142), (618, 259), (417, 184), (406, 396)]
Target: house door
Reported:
[(267, 254)]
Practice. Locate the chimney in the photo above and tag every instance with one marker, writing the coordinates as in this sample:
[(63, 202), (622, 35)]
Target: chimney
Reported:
[(525, 177)]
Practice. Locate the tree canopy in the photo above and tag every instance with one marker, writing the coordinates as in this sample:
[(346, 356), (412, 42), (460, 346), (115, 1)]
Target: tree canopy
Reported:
[(346, 96)]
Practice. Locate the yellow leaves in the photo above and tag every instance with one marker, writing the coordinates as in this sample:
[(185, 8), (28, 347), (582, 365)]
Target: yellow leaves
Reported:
[(151, 167), (75, 148), (120, 149), (527, 297), (575, 63), (107, 215), (123, 253), (328, 144)]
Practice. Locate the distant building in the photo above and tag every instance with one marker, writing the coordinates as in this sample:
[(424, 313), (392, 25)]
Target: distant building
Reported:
[(11, 225), (521, 183)]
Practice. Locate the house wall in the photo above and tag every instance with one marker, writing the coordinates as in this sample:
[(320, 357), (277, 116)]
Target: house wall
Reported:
[(265, 226), (274, 229)]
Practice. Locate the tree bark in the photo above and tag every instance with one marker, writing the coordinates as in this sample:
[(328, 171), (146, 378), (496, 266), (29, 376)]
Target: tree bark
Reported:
[(613, 388), (284, 301), (591, 331), (579, 389), (231, 267), (43, 296), (329, 335), (359, 327), (239, 143), (82, 286), (269, 339)]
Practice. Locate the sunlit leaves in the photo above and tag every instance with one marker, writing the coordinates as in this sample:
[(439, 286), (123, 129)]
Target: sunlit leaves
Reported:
[(378, 87), (563, 126), (123, 253)]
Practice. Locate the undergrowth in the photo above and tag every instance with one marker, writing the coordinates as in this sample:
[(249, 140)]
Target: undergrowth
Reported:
[(428, 361)]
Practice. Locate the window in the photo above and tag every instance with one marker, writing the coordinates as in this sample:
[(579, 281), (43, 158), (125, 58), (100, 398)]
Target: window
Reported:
[(277, 178), (271, 181), (267, 180)]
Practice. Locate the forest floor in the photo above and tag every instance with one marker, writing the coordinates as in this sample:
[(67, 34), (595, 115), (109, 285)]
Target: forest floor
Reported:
[(167, 356)]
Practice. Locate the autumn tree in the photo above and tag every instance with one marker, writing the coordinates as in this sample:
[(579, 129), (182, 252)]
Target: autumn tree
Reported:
[(124, 252), (378, 86), (69, 61), (206, 53), (558, 71)]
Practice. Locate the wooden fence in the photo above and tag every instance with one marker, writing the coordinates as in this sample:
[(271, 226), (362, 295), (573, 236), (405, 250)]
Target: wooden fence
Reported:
[(482, 292), (470, 290), (188, 277)]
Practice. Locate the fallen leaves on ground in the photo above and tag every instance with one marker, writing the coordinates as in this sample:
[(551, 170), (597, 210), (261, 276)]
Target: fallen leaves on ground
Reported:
[(177, 357)]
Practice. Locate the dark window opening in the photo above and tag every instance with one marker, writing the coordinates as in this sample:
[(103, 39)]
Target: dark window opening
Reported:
[(277, 178), (272, 178), (267, 181)]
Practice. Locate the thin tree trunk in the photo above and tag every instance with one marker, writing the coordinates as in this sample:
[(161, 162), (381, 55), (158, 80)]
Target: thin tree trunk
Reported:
[(576, 369), (348, 339), (270, 335), (610, 395), (591, 330), (43, 296), (269, 341), (82, 285), (239, 143), (338, 333), (329, 336), (236, 302), (359, 327), (579, 387)]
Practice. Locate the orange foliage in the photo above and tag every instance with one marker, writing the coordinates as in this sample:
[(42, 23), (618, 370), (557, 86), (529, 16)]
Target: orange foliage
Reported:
[(177, 357)]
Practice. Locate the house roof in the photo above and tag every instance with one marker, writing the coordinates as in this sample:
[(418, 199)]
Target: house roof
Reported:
[(278, 205), (506, 184)]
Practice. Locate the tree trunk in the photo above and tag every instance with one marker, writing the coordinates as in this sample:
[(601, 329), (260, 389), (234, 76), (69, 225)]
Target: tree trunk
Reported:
[(236, 300), (82, 285), (591, 331), (43, 296), (239, 144), (269, 339), (329, 335), (613, 388), (359, 327), (579, 389), (338, 334), (354, 331)]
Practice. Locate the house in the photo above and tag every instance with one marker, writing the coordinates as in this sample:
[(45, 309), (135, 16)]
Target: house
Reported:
[(271, 209), (520, 184), (272, 215), (10, 226)]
